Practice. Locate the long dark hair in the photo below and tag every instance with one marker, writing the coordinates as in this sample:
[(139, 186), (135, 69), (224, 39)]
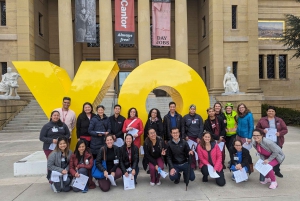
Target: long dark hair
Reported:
[(218, 103), (59, 122), (76, 152), (202, 142), (66, 151), (246, 110), (125, 140), (136, 112), (157, 115), (87, 103)]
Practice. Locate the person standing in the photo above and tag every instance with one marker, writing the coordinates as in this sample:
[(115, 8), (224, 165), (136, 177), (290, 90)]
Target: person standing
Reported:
[(245, 124), (273, 122), (193, 124), (231, 125), (67, 115), (154, 121), (219, 111), (178, 152), (172, 120), (116, 122)]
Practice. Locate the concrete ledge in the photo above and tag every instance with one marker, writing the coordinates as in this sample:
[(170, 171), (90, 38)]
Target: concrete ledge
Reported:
[(34, 164), (8, 37)]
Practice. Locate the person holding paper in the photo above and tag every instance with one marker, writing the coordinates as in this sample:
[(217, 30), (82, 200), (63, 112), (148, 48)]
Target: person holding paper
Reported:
[(154, 149), (154, 121), (81, 162), (129, 158), (178, 152), (239, 158), (59, 161), (83, 122), (210, 155), (134, 126), (270, 153), (271, 121), (117, 121), (245, 123), (112, 157), (52, 130), (216, 127), (99, 127)]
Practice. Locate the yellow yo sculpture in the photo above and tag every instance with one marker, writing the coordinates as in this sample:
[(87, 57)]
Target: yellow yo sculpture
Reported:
[(49, 84), (179, 80)]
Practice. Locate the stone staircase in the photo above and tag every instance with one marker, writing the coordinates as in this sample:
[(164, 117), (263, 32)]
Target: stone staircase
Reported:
[(30, 119)]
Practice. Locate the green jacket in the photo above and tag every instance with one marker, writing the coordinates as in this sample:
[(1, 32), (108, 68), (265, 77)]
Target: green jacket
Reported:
[(231, 123)]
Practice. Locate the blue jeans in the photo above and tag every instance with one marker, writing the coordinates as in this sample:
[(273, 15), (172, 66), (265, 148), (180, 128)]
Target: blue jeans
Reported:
[(182, 168)]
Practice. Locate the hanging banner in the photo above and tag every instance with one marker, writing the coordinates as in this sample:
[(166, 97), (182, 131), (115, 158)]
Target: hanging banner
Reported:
[(161, 22), (85, 21), (124, 22)]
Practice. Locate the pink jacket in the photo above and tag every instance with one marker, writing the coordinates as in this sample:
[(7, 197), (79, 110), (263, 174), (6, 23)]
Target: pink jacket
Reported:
[(216, 156), (138, 124)]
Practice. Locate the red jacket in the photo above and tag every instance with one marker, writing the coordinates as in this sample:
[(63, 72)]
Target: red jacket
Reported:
[(137, 124), (280, 126), (216, 157), (74, 164)]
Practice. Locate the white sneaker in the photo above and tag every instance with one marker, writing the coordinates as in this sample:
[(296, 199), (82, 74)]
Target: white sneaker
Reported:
[(152, 184), (273, 185), (53, 188), (95, 181), (267, 180), (158, 184)]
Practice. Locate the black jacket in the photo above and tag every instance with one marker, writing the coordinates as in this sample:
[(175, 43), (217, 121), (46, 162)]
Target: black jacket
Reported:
[(149, 152), (246, 157), (177, 153), (124, 159), (82, 124), (100, 158), (117, 125), (156, 125), (208, 127), (167, 126)]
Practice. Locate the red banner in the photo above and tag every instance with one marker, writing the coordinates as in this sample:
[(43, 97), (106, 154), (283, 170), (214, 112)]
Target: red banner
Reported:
[(124, 21), (161, 23)]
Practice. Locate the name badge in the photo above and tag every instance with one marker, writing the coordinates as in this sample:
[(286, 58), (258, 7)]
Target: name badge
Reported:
[(54, 130), (129, 169), (236, 158), (63, 159), (116, 161), (213, 125), (194, 121)]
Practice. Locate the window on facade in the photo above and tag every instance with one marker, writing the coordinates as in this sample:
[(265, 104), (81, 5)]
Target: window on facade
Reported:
[(3, 13), (234, 16), (203, 27), (234, 68), (261, 66), (4, 67), (271, 66), (153, 46), (41, 25), (97, 44), (282, 66)]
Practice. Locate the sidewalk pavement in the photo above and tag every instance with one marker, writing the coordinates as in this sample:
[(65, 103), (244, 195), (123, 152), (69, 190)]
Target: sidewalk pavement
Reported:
[(14, 147)]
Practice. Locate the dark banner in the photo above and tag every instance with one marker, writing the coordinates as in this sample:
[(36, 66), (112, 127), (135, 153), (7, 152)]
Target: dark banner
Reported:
[(85, 21), (161, 23), (124, 22)]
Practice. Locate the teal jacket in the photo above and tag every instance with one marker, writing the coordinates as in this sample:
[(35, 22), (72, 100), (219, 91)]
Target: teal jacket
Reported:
[(245, 126)]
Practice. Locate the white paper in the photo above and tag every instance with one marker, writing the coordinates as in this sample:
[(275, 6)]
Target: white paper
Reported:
[(264, 169), (52, 146), (128, 182), (271, 134), (191, 143), (163, 173), (81, 182), (100, 132), (55, 176), (112, 180), (142, 150), (221, 145), (133, 131), (119, 142), (240, 175), (211, 172), (247, 145)]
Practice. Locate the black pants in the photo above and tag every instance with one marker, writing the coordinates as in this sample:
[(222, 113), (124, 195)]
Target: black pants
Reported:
[(229, 141), (219, 181)]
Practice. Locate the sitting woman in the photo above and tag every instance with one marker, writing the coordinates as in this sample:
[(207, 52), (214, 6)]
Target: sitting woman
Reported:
[(239, 157), (81, 163), (210, 154), (129, 159), (154, 151), (270, 153), (58, 161), (111, 154)]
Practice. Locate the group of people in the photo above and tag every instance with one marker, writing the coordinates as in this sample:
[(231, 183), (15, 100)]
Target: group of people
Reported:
[(173, 140)]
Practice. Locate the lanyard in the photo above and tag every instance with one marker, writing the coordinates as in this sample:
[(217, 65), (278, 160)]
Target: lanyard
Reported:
[(129, 154), (64, 116)]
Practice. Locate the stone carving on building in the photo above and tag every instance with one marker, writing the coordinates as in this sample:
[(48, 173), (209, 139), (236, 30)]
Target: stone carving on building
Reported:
[(230, 83), (9, 85)]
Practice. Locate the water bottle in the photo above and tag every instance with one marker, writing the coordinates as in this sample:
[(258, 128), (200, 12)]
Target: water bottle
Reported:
[(87, 161)]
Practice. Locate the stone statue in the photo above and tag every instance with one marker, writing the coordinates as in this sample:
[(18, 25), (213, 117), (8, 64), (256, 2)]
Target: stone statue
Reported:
[(231, 86), (9, 84)]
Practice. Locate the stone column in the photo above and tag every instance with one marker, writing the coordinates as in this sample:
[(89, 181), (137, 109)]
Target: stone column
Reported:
[(253, 71), (181, 35), (66, 45), (144, 31), (106, 36)]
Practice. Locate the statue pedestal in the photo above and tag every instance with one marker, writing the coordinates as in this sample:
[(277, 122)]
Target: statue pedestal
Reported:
[(232, 93), (5, 97)]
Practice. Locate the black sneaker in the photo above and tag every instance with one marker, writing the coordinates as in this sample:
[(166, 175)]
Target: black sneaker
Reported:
[(176, 181), (204, 179), (278, 174)]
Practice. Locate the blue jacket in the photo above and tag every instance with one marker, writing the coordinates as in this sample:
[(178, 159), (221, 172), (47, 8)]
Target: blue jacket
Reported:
[(245, 126)]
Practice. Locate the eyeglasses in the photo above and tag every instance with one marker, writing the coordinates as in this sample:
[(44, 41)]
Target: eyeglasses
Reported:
[(256, 135)]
